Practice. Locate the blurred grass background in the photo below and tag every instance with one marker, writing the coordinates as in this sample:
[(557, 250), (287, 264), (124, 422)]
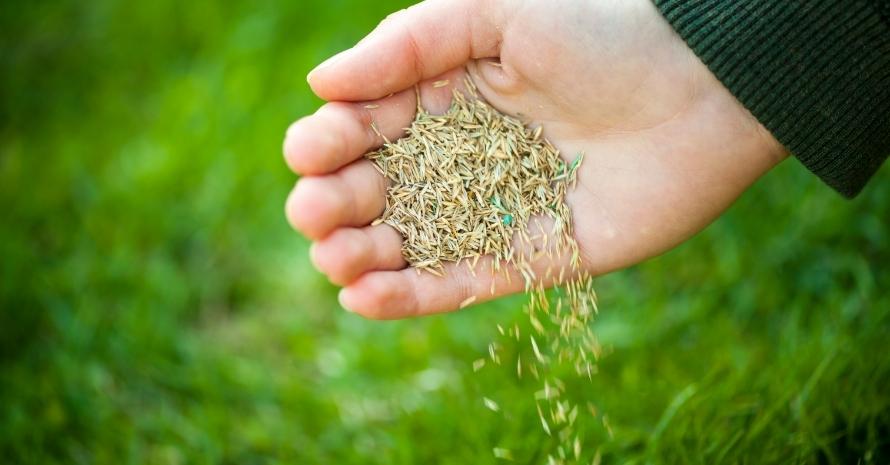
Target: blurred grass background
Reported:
[(155, 308)]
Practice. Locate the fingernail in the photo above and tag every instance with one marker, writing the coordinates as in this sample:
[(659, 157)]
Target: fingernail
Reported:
[(341, 300), (328, 63)]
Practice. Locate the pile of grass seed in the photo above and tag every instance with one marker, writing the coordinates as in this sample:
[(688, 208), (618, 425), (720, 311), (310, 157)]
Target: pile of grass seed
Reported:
[(465, 183), (468, 184)]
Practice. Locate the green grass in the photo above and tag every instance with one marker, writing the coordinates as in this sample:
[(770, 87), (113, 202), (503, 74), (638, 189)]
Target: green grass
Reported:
[(156, 309)]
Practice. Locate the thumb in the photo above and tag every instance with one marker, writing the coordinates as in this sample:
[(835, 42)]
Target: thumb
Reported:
[(418, 43)]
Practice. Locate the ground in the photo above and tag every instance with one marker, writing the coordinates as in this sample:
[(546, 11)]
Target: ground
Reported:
[(155, 308)]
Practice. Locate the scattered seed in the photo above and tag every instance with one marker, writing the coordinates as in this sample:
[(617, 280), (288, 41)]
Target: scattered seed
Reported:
[(475, 182), (544, 422), (536, 349), (490, 404), (503, 454)]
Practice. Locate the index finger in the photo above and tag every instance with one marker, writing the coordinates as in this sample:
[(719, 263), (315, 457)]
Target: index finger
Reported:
[(421, 42)]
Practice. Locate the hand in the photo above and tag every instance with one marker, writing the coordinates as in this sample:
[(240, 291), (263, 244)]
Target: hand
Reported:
[(667, 147)]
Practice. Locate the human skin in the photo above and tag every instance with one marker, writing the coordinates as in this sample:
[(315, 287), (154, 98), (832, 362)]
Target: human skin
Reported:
[(667, 147)]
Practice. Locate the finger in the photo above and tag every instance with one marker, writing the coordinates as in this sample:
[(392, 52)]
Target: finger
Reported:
[(408, 293), (340, 132), (389, 295), (350, 252), (352, 196), (414, 44)]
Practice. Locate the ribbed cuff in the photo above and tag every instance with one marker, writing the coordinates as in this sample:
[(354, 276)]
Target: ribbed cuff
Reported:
[(815, 73)]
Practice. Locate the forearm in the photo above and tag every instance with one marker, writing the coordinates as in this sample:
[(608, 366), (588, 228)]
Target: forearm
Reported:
[(816, 73)]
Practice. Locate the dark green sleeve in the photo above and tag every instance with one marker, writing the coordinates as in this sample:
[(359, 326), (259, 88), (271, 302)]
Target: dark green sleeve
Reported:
[(816, 73)]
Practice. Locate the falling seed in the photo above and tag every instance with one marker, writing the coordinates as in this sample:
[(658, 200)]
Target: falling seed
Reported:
[(608, 426), (536, 349), (493, 353), (503, 454), (468, 184), (543, 422), (592, 410), (490, 404)]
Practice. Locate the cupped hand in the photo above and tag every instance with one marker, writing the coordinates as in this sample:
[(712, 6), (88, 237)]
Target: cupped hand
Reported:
[(667, 147)]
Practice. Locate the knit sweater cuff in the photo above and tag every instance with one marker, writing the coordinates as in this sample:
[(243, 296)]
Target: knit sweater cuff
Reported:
[(815, 73)]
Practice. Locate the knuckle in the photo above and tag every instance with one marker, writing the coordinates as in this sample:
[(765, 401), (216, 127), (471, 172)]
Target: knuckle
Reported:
[(358, 135), (345, 197), (388, 250), (348, 256), (377, 306), (416, 52), (387, 299), (465, 286)]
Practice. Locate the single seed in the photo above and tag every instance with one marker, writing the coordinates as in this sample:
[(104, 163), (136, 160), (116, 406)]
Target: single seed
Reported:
[(503, 454)]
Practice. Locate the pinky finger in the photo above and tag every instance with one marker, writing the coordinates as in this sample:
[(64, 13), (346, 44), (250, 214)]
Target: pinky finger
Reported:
[(390, 295)]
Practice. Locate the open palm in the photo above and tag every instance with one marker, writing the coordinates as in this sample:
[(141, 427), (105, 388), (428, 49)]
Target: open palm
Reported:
[(667, 148)]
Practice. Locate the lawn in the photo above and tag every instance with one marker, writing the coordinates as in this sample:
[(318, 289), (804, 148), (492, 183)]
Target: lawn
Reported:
[(155, 308)]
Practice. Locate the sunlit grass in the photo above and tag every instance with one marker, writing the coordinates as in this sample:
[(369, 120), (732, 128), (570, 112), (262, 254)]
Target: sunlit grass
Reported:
[(156, 308)]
